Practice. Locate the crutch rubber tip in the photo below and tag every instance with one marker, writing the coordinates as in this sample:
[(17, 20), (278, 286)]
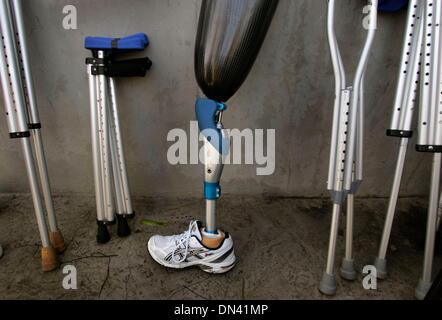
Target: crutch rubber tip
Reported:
[(381, 268), (49, 260), (348, 271), (130, 215), (422, 289), (328, 284), (57, 241), (123, 229), (103, 235)]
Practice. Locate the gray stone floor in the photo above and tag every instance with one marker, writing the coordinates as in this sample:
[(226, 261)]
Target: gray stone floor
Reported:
[(280, 244)]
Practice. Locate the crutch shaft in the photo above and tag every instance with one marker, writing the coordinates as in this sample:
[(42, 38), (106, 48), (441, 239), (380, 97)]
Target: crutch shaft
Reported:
[(354, 106), (44, 178), (439, 213), (121, 164), (393, 198), (13, 66), (116, 173), (333, 238), (339, 73), (105, 148), (32, 177), (409, 65), (432, 218), (21, 32), (99, 193), (349, 227)]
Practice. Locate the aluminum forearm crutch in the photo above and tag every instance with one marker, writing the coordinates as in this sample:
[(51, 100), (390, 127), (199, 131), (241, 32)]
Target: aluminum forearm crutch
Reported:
[(23, 117), (404, 104), (347, 106), (34, 125), (101, 149), (119, 161), (112, 191), (430, 129)]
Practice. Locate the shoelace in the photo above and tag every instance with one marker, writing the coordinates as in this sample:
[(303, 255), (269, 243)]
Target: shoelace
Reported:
[(181, 239)]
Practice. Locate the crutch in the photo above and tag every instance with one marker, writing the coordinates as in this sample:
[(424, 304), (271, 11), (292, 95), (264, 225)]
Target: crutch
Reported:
[(345, 165), (23, 122), (430, 129), (403, 108), (112, 191), (439, 212)]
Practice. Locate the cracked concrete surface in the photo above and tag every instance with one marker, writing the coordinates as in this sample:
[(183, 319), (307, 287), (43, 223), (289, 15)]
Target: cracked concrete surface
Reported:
[(280, 244)]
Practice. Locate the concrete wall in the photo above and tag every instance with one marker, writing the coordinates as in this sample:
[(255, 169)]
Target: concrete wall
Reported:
[(290, 88)]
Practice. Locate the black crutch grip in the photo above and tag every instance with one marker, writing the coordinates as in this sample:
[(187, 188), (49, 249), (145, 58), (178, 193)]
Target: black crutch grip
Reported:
[(129, 68)]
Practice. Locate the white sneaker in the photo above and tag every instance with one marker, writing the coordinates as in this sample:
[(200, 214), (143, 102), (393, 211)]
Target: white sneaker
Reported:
[(186, 249)]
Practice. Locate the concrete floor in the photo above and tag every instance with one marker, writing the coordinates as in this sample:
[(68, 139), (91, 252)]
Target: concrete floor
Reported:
[(280, 245)]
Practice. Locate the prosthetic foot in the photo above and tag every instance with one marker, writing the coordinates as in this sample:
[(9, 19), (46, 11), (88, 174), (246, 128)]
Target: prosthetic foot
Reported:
[(194, 248)]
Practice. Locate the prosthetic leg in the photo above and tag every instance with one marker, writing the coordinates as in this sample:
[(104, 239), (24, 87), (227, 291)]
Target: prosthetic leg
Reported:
[(230, 34), (346, 153), (216, 147), (110, 174), (24, 124), (224, 24)]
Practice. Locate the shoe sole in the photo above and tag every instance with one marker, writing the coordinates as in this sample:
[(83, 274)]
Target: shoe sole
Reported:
[(214, 268)]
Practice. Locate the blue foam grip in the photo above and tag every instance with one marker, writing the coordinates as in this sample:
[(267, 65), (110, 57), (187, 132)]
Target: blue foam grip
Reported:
[(134, 42), (205, 110), (212, 190), (391, 5)]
